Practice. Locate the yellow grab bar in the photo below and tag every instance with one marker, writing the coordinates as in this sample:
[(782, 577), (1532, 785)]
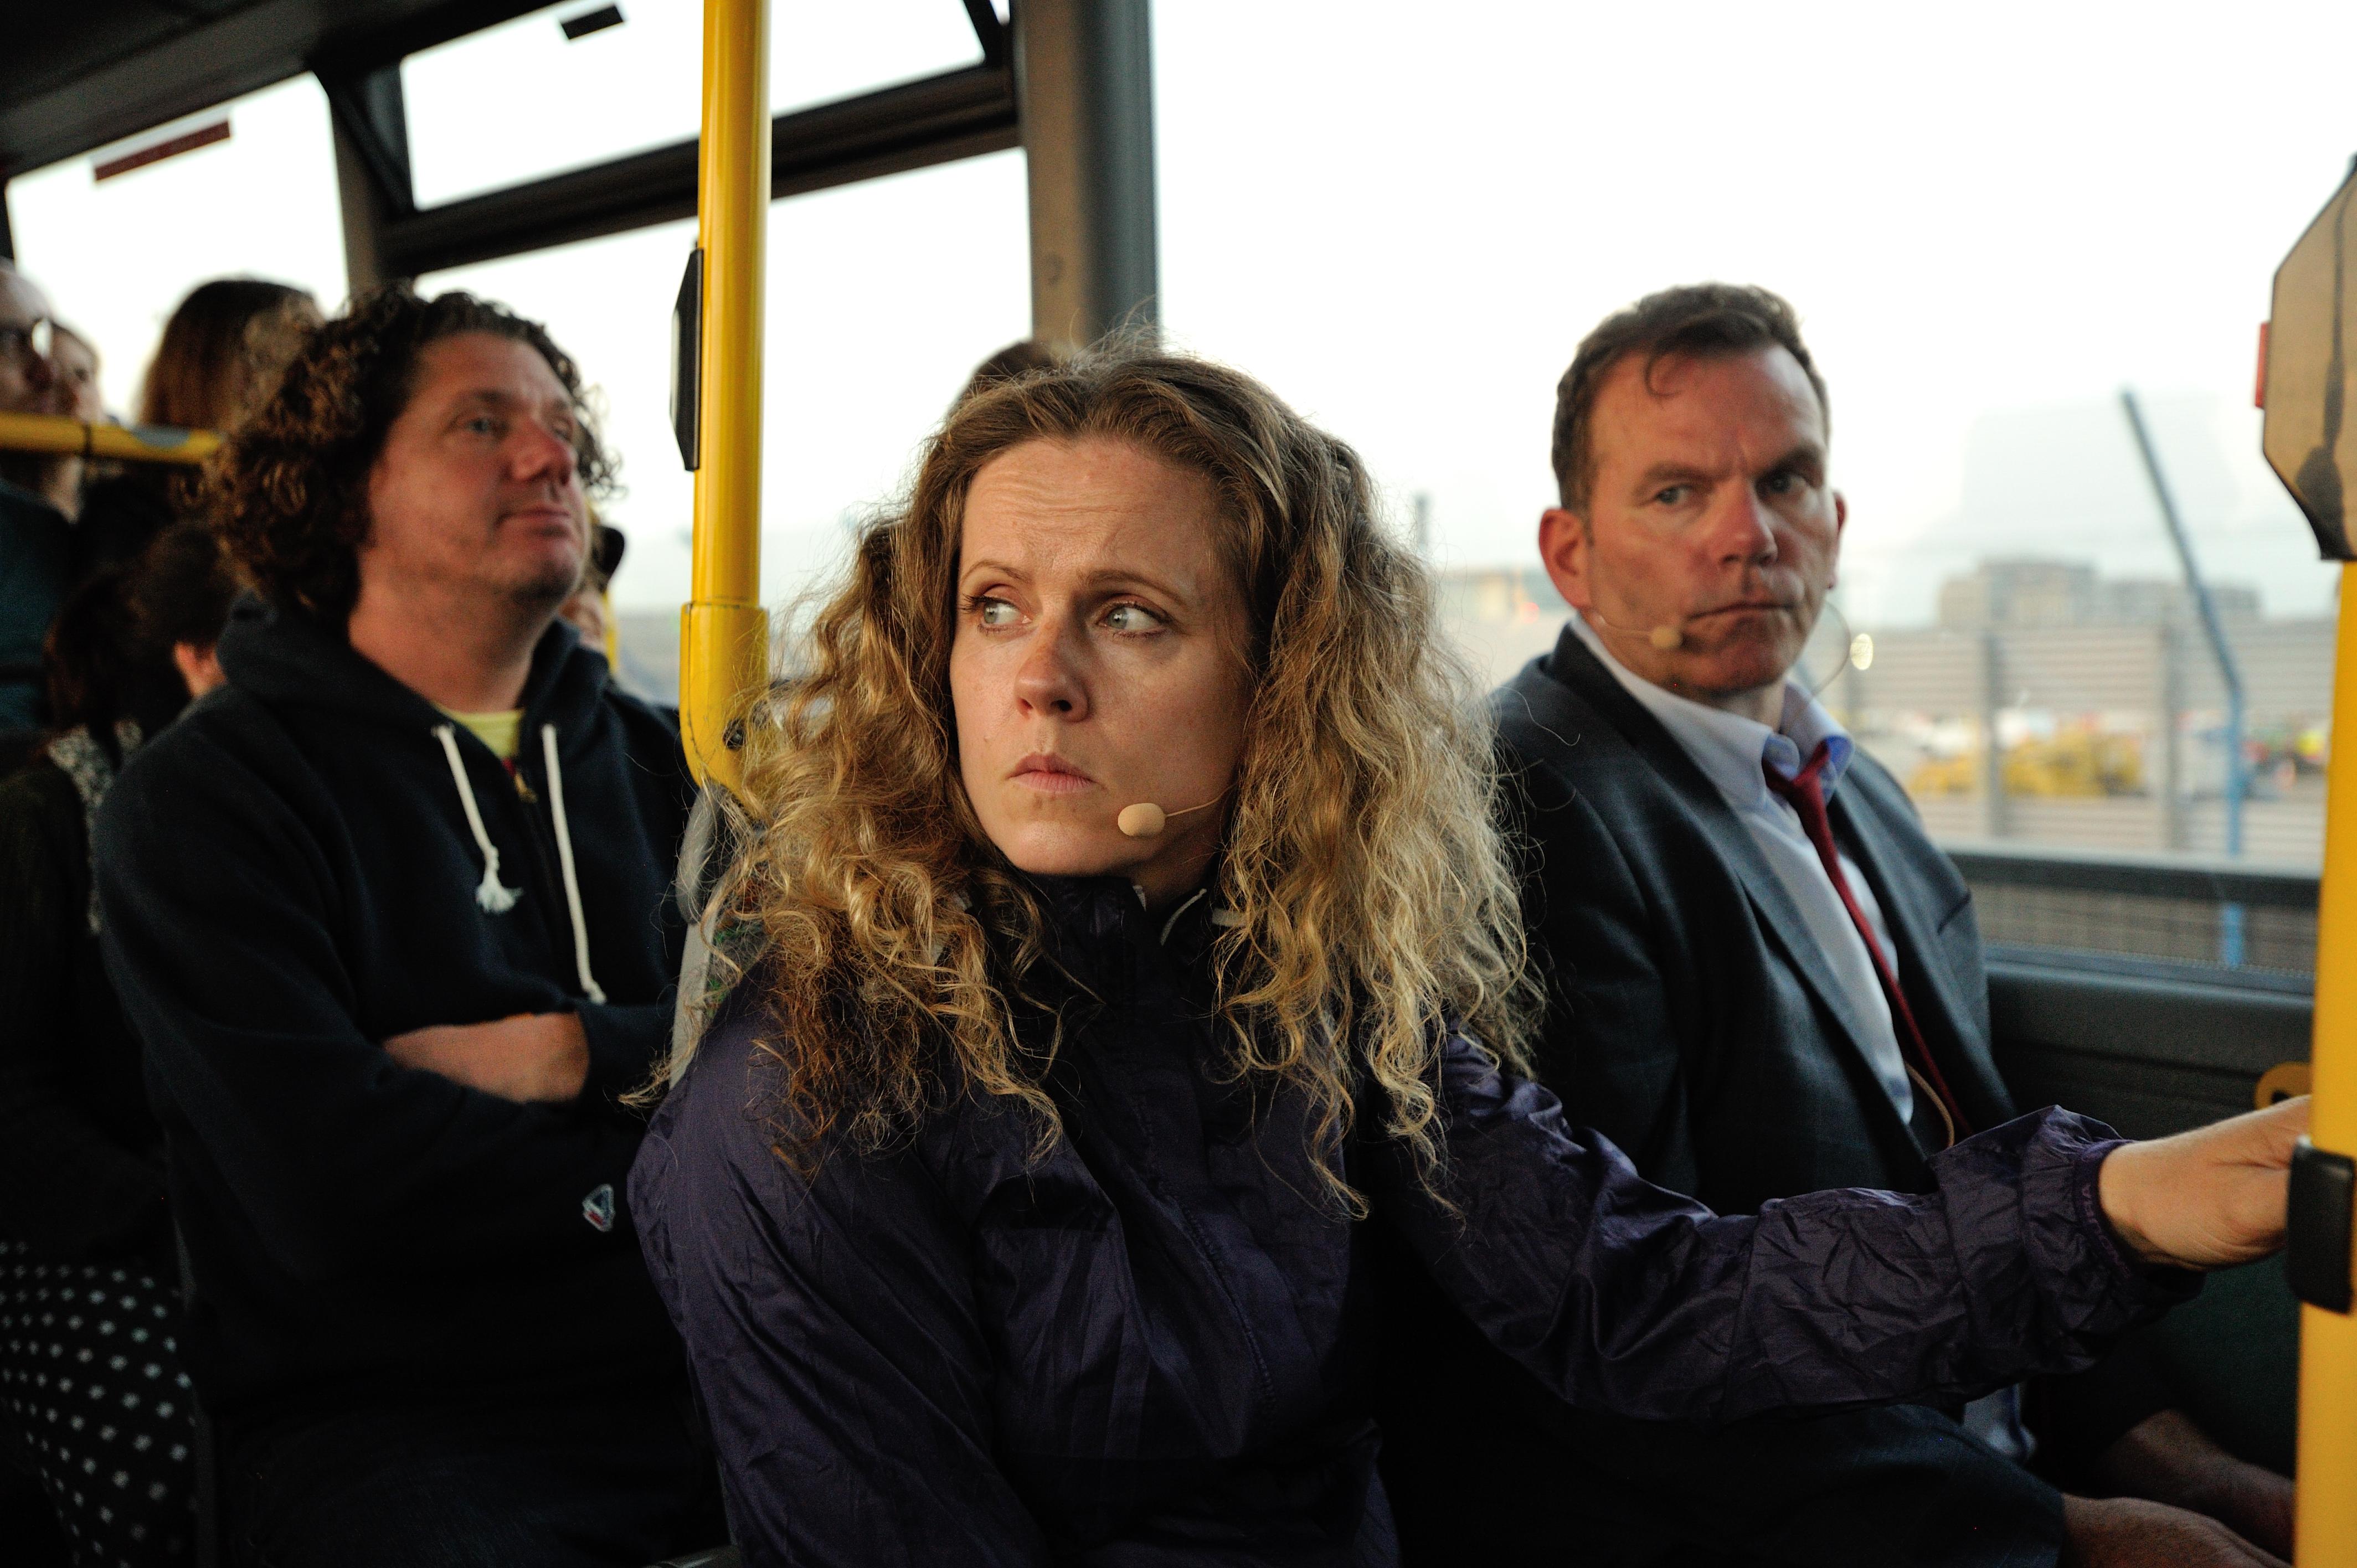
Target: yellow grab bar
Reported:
[(129, 443), (2326, 1525), (724, 636)]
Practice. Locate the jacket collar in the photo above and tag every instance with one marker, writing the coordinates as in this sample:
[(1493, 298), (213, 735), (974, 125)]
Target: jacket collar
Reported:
[(286, 656), (1729, 749), (1101, 933), (1949, 1017)]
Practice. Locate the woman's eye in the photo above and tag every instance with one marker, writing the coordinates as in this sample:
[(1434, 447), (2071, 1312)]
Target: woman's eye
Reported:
[(1132, 617), (994, 612)]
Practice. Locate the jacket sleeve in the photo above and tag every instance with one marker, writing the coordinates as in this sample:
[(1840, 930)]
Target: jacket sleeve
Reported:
[(221, 934), (66, 1186), (1621, 1296), (626, 1042), (833, 1344)]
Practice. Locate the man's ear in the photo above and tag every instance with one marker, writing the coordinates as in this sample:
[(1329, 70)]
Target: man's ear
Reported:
[(1841, 522), (1563, 547)]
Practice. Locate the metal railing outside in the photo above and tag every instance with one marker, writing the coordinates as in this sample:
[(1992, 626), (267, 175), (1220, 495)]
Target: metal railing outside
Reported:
[(2176, 911)]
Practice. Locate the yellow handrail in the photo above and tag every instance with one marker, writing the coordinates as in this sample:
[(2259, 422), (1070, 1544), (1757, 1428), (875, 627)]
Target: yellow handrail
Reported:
[(129, 443), (2305, 383), (2326, 1524), (724, 636)]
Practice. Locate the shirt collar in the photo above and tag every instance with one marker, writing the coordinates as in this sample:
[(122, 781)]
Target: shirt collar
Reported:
[(1728, 748)]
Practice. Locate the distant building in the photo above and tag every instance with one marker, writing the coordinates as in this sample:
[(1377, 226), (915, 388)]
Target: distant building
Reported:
[(1498, 618), (2028, 594)]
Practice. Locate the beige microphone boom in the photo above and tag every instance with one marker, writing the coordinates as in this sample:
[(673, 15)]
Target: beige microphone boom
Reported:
[(1146, 819)]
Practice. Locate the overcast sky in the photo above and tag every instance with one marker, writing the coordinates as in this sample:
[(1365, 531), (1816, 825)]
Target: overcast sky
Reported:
[(1404, 218)]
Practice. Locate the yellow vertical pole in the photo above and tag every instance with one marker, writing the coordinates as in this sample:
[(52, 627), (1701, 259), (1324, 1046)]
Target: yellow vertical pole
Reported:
[(724, 636), (2326, 1529)]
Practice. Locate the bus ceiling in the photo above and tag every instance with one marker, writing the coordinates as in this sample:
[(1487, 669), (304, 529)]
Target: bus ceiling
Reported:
[(1067, 81)]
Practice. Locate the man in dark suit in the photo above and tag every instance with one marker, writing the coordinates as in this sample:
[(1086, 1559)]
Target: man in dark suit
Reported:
[(1763, 980)]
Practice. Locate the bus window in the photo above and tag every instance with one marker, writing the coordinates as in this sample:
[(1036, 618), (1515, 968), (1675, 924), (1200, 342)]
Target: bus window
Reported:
[(1985, 243), (552, 91), (882, 296), (117, 253)]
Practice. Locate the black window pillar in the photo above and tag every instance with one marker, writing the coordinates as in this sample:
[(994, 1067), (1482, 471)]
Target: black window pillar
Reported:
[(1084, 82)]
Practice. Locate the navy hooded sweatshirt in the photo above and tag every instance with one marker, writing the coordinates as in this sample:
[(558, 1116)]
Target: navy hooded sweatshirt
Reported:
[(290, 876), (1156, 1342)]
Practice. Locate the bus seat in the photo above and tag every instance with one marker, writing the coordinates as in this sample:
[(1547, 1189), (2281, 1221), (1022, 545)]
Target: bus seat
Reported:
[(2232, 1357)]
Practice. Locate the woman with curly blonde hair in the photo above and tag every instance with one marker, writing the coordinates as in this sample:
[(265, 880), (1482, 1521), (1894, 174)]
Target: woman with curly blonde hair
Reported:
[(1125, 944)]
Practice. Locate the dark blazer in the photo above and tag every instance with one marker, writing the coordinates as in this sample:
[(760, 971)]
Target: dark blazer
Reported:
[(1693, 1021), (1690, 1017)]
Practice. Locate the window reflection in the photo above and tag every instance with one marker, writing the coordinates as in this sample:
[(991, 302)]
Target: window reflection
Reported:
[(116, 256)]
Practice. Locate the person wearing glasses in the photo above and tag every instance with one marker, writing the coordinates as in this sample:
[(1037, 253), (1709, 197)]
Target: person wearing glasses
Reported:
[(34, 565)]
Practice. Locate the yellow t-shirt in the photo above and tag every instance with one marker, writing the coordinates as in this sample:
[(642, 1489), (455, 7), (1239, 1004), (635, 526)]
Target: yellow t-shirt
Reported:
[(497, 731)]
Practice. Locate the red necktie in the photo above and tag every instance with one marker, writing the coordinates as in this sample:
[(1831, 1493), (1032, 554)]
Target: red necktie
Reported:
[(1804, 791)]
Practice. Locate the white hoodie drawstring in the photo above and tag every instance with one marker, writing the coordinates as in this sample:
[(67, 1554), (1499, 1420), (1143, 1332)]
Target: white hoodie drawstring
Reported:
[(491, 896), (589, 987)]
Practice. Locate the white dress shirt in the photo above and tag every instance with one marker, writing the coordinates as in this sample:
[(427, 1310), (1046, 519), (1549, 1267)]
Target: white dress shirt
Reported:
[(1730, 750)]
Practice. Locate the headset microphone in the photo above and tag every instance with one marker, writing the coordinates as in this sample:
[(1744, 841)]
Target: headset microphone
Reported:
[(1666, 636), (1146, 819)]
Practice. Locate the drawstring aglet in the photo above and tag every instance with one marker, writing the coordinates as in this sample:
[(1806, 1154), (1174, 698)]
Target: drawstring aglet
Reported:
[(494, 897)]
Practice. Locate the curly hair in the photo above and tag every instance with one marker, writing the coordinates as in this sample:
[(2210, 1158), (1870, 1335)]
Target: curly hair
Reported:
[(1370, 890), (289, 490)]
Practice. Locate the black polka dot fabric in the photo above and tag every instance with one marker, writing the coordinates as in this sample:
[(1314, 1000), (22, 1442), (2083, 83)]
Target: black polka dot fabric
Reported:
[(91, 1382)]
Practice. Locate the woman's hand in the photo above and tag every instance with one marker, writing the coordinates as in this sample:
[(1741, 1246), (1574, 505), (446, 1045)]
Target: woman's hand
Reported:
[(2208, 1198)]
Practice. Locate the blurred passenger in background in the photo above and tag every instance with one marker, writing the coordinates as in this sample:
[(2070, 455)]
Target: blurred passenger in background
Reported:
[(1708, 859), (590, 610), (390, 914), (75, 359), (221, 354), (35, 554), (1020, 358), (89, 1293)]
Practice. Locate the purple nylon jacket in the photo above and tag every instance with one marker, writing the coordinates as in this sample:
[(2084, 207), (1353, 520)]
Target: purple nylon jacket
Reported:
[(1152, 1345)]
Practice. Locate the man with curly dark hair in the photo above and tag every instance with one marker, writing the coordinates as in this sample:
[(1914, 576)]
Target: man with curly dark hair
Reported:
[(390, 914)]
